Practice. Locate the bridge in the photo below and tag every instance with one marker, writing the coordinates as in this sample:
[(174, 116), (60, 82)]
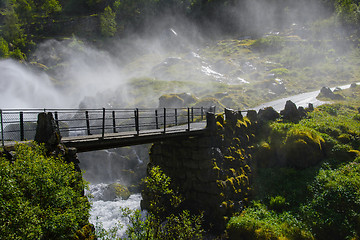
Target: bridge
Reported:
[(96, 129)]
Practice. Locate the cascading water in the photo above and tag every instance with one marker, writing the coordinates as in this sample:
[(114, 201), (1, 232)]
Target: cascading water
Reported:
[(105, 168)]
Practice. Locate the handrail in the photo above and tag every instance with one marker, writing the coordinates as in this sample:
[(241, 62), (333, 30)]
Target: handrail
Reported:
[(20, 124)]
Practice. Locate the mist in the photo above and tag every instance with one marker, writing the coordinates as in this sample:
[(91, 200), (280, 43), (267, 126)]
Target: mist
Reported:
[(74, 73)]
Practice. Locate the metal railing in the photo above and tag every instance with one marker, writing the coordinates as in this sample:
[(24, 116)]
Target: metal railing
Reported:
[(20, 124)]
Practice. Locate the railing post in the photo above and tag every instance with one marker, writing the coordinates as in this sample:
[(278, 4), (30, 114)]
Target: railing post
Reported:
[(176, 117), (2, 128), (202, 113), (192, 114), (137, 127), (156, 119), (103, 124), (22, 126), (164, 120), (87, 122), (114, 121), (188, 122)]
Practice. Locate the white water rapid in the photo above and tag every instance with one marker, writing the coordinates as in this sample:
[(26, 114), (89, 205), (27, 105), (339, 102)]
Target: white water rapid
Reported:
[(107, 213), (103, 169)]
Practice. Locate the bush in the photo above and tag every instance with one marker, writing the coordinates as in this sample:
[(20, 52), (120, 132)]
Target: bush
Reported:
[(40, 197), (334, 211), (164, 219), (277, 203), (269, 44), (257, 222)]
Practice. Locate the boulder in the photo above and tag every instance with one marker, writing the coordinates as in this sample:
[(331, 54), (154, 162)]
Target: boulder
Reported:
[(171, 101), (252, 115), (310, 107), (353, 85), (290, 112), (302, 112), (326, 92), (268, 114), (114, 191), (47, 131)]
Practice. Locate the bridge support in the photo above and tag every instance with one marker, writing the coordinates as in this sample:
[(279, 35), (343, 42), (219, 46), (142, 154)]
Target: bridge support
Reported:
[(212, 170)]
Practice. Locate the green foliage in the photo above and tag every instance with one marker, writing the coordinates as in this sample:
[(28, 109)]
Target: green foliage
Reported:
[(291, 145), (280, 72), (158, 188), (256, 222), (348, 11), (40, 197), (175, 226), (4, 48), (334, 210), (164, 219), (108, 23), (277, 203), (269, 44)]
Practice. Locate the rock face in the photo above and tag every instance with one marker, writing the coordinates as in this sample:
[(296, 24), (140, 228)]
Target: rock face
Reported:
[(212, 172)]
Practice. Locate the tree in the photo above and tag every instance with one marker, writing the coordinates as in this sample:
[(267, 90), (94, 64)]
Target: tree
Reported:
[(108, 23), (4, 48), (12, 28)]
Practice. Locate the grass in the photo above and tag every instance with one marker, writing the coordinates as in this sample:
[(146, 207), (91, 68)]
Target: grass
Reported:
[(316, 202)]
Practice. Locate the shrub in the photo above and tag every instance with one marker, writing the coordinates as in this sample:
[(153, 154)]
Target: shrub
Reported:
[(334, 211), (280, 72), (277, 203), (257, 222), (40, 197), (4, 48), (164, 219), (269, 44)]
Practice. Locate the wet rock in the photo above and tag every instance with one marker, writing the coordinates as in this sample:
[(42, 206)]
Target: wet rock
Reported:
[(268, 114), (114, 191)]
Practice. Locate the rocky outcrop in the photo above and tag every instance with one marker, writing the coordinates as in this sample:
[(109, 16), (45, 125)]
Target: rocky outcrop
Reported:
[(326, 92)]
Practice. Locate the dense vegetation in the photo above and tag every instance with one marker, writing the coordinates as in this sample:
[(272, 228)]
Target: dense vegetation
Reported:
[(41, 197), (27, 22), (307, 181)]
